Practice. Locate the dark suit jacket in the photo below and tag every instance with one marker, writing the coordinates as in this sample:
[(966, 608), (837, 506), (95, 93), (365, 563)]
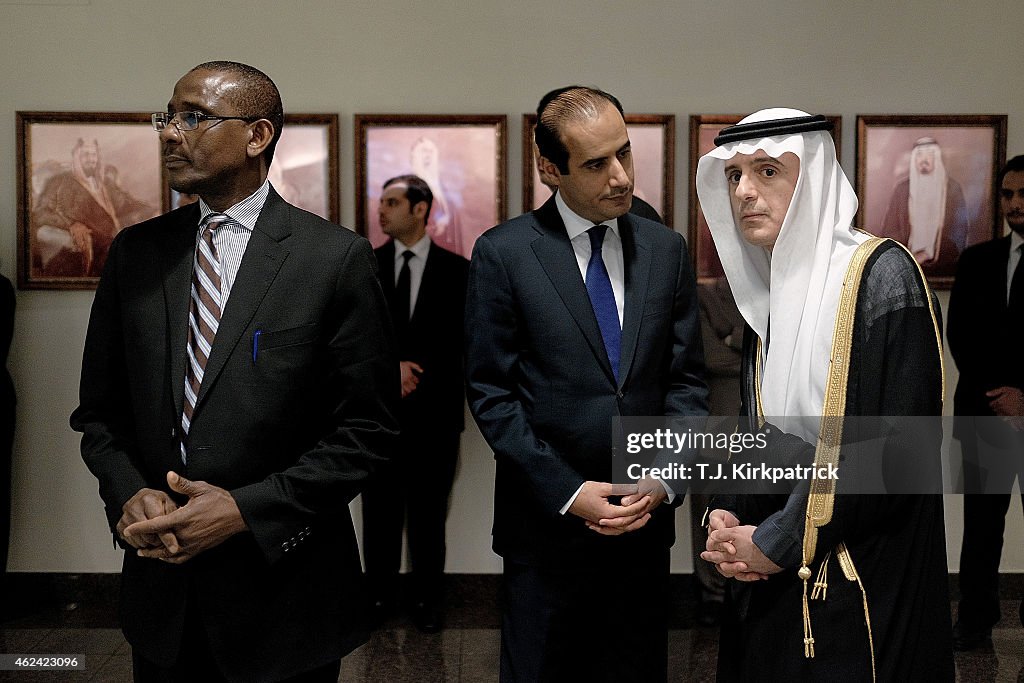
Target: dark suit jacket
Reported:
[(433, 338), (979, 332), (541, 387), (291, 431)]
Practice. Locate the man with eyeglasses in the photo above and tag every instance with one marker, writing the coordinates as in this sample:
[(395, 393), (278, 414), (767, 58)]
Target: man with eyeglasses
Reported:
[(238, 387)]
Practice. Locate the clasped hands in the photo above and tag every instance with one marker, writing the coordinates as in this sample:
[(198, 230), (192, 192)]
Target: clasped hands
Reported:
[(731, 548), (609, 519), (158, 528)]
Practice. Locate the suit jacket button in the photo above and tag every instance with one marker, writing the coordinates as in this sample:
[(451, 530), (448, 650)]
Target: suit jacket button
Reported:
[(620, 395)]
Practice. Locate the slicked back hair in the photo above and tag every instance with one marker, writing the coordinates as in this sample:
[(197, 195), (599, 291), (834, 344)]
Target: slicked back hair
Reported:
[(566, 105), (416, 191), (257, 98), (1015, 164)]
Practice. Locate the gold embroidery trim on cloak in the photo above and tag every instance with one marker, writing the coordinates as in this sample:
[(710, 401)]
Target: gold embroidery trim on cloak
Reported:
[(821, 499), (757, 384), (850, 572)]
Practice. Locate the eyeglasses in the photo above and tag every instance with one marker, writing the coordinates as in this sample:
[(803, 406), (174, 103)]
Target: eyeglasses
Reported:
[(190, 120)]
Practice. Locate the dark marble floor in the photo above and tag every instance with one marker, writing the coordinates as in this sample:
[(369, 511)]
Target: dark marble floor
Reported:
[(467, 650)]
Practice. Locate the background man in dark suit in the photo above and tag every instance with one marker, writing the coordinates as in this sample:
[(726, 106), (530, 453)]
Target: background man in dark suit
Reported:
[(987, 302), (549, 365), (226, 468), (425, 287)]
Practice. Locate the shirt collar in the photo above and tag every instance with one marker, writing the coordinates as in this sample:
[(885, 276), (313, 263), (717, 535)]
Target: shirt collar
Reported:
[(1015, 241), (576, 224), (245, 212), (419, 249)]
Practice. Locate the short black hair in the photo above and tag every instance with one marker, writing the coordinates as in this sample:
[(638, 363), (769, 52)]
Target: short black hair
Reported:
[(1015, 164), (560, 106), (258, 98), (416, 190)]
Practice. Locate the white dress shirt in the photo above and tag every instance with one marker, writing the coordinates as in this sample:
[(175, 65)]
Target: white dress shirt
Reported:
[(1011, 263), (416, 265), (611, 250)]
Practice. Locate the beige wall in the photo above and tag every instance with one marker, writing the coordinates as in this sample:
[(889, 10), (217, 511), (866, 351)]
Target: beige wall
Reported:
[(682, 57)]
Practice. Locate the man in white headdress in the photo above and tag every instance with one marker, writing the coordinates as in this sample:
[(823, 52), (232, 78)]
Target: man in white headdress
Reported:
[(839, 324), (927, 211)]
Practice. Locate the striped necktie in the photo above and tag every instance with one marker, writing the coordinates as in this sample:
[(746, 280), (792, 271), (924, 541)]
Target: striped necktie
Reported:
[(204, 315)]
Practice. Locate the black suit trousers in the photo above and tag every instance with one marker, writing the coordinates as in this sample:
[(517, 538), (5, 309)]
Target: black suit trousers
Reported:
[(416, 492), (196, 661), (606, 623), (991, 463)]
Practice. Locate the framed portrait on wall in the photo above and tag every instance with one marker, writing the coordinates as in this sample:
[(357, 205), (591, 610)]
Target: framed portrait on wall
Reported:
[(305, 166), (461, 157), (82, 178), (927, 181), (703, 130), (652, 138)]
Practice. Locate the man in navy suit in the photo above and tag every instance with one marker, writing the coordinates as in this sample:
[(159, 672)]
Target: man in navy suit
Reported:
[(576, 313), (425, 287), (987, 301), (238, 388)]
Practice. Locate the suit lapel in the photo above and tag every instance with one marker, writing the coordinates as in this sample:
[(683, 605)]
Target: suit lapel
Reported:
[(999, 283), (431, 272), (636, 257), (179, 252), (554, 251), (386, 270), (261, 262)]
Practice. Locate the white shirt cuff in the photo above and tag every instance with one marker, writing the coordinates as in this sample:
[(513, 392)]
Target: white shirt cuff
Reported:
[(565, 508)]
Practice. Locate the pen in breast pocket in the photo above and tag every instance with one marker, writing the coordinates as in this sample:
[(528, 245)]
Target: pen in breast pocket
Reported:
[(256, 344)]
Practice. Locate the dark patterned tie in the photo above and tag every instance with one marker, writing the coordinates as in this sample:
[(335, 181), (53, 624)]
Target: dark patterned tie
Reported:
[(599, 287), (204, 315)]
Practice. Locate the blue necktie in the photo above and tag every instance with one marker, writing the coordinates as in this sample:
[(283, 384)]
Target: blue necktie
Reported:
[(599, 287)]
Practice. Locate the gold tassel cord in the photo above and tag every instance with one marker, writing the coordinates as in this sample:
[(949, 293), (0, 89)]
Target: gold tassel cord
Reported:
[(821, 584), (805, 574)]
